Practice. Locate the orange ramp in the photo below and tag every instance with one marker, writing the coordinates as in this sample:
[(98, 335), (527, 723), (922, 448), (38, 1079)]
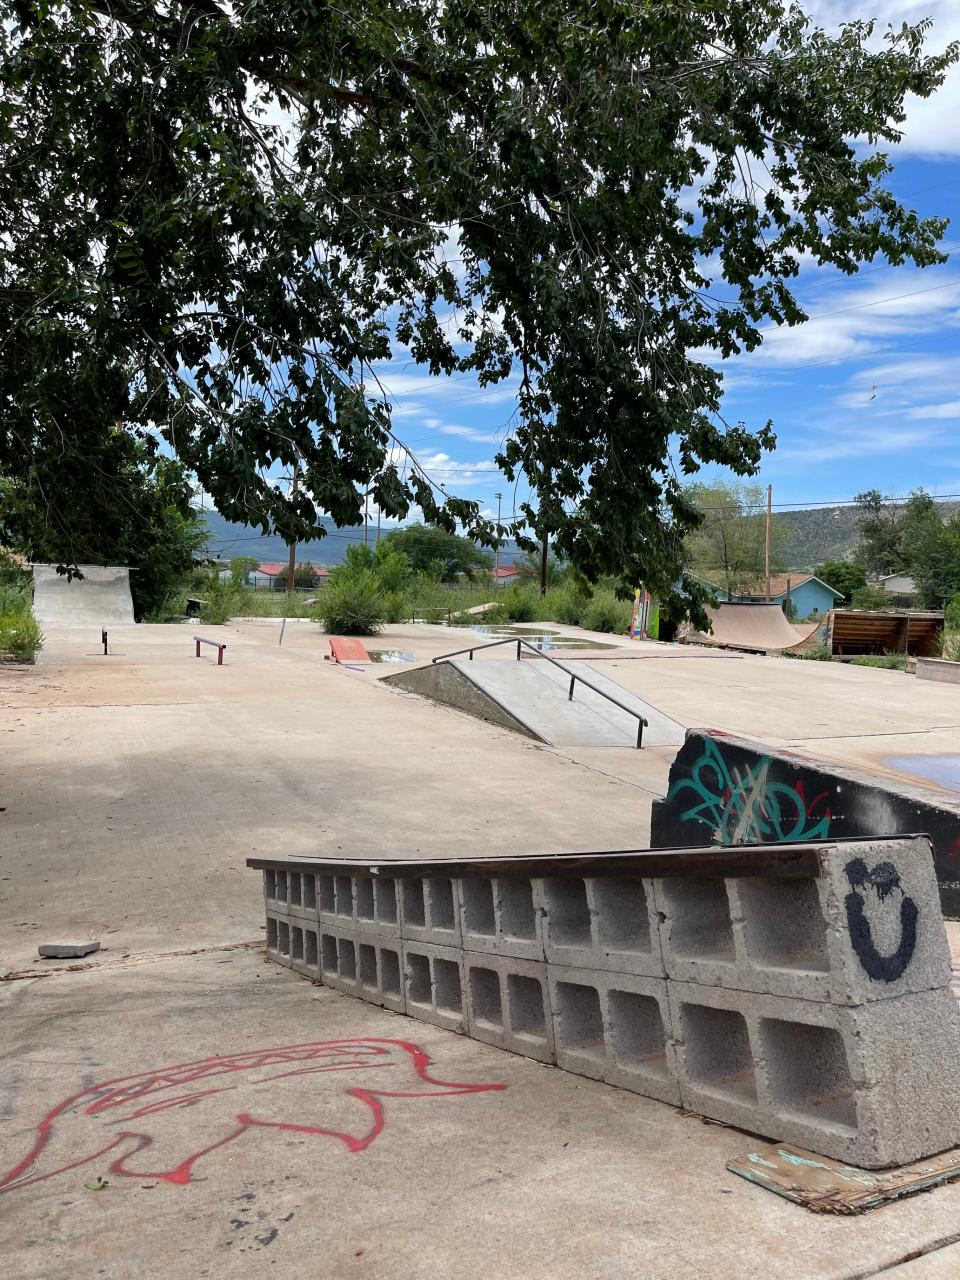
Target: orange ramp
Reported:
[(347, 649)]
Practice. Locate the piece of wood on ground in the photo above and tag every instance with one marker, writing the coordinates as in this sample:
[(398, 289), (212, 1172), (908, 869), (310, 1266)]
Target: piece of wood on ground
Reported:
[(829, 1186), (348, 650)]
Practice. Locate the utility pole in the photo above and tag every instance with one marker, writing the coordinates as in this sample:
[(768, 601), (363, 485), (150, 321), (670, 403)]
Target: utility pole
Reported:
[(545, 549), (366, 516), (766, 546), (292, 563), (496, 571)]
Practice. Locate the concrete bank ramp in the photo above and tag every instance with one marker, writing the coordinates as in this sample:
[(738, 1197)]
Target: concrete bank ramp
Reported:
[(99, 598), (531, 698)]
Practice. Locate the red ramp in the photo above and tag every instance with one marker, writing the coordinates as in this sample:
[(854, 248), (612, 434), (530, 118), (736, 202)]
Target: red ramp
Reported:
[(347, 649)]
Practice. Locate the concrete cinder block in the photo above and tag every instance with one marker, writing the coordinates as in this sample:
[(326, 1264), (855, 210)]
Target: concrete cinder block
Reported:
[(615, 1027), (375, 903), (433, 984), (868, 928), (429, 910), (275, 891), (278, 938), (865, 1084), (304, 947), (508, 1004), (301, 894), (601, 922), (501, 915)]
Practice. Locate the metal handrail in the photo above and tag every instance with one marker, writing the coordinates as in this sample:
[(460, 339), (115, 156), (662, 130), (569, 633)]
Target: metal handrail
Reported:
[(574, 677)]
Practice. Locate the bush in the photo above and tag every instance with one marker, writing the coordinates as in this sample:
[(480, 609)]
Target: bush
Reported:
[(565, 604), (396, 607), (951, 614), (518, 603), (353, 605), (816, 653), (20, 636), (220, 603), (605, 612), (891, 661), (873, 598)]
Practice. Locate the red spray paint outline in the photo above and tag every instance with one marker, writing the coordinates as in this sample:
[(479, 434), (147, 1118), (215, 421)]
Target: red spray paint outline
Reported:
[(245, 1060)]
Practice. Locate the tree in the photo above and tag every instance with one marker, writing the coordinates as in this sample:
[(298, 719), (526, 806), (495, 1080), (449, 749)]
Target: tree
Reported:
[(728, 547), (304, 578), (240, 569), (127, 506), (436, 552), (218, 221), (879, 550), (843, 576)]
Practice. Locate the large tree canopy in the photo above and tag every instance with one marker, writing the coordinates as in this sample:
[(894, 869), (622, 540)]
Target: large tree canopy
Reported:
[(217, 219)]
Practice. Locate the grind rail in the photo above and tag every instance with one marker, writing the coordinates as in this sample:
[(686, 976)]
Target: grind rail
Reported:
[(574, 676)]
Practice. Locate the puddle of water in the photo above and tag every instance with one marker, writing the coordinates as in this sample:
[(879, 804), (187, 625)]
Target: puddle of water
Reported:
[(944, 769), (390, 655), (542, 640)]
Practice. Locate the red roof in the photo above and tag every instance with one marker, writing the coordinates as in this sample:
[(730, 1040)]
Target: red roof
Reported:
[(272, 568), (510, 570)]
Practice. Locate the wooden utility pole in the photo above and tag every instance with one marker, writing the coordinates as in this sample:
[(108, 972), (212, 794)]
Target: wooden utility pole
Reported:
[(545, 548), (292, 563), (766, 541)]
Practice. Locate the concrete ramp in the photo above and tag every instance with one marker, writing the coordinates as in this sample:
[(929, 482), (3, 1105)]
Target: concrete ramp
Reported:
[(756, 628), (99, 598), (532, 698)]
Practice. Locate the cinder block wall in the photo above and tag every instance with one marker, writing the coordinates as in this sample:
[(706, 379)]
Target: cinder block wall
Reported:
[(810, 1003)]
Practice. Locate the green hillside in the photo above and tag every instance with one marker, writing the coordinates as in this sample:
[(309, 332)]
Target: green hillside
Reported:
[(813, 536)]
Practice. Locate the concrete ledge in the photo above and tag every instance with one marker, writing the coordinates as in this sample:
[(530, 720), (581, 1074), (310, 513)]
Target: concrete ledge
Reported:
[(938, 669)]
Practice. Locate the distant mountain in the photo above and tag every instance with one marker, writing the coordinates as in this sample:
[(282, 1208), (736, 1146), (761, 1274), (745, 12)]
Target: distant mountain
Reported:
[(815, 535), (225, 539), (804, 539)]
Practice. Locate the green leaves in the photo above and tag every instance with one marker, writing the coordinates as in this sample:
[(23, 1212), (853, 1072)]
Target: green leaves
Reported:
[(216, 222)]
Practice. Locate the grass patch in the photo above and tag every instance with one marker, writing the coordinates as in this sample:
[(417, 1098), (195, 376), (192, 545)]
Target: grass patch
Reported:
[(20, 636)]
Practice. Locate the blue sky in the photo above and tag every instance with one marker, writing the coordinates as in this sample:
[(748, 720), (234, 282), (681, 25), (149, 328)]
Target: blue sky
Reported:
[(865, 395)]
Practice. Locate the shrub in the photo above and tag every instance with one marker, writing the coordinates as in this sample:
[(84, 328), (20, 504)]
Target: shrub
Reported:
[(565, 604), (518, 603), (353, 605), (816, 653), (20, 636), (891, 661), (220, 604), (873, 598), (396, 607), (951, 614), (605, 612)]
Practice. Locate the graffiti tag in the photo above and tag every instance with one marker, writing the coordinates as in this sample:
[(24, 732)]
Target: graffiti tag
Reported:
[(747, 806), (128, 1118), (884, 879)]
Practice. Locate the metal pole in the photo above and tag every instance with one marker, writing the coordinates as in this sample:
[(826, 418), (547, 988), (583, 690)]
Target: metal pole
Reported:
[(766, 547), (496, 571)]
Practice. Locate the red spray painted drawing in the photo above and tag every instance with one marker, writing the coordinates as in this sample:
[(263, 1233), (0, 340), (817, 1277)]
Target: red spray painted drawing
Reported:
[(229, 1095)]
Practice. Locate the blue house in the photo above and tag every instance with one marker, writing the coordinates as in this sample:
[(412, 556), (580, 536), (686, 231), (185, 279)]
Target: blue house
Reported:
[(808, 595)]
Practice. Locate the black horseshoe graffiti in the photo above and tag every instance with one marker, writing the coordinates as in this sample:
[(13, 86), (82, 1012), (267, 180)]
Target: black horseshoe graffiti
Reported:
[(884, 879)]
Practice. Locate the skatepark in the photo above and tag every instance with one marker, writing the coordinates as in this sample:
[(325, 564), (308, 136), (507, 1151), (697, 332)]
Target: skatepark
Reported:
[(143, 781)]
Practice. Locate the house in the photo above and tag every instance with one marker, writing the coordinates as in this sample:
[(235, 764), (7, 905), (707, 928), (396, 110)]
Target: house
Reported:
[(808, 595), (901, 588), (507, 573), (262, 577)]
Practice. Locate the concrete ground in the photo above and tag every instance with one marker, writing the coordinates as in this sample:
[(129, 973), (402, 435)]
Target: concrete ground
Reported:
[(132, 787)]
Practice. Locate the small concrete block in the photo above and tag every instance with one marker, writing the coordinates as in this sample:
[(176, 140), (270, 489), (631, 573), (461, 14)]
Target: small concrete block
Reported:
[(338, 959), (66, 950), (717, 1048), (508, 1004), (305, 947), (873, 1085), (429, 910), (299, 886), (615, 1027), (501, 915), (433, 984), (601, 922), (278, 938), (380, 971)]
